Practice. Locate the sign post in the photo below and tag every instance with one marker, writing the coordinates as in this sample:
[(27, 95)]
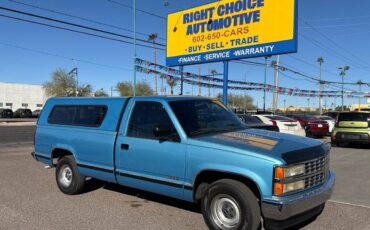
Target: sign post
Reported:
[(181, 69)]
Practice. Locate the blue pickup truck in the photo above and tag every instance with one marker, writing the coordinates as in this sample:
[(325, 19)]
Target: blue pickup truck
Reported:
[(189, 148)]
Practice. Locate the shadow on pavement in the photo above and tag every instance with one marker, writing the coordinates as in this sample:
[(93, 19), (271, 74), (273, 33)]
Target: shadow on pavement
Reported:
[(94, 184)]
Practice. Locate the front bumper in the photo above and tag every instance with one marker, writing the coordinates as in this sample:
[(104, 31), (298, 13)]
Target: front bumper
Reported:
[(283, 208)]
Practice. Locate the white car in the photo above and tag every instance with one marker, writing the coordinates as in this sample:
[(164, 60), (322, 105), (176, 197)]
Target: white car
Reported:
[(285, 124), (330, 120)]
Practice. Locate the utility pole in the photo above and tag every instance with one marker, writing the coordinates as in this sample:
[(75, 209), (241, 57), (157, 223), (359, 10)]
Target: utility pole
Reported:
[(342, 74), (134, 85), (320, 60), (360, 83), (265, 82), (276, 84)]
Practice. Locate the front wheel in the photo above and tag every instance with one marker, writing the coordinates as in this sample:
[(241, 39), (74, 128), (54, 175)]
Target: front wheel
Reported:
[(230, 205), (68, 178)]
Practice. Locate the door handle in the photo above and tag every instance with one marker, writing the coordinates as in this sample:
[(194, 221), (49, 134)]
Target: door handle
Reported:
[(124, 146)]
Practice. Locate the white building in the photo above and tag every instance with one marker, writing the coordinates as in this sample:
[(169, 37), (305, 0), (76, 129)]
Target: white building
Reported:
[(15, 96)]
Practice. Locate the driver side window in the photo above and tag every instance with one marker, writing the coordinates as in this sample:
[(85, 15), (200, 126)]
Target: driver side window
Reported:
[(145, 117)]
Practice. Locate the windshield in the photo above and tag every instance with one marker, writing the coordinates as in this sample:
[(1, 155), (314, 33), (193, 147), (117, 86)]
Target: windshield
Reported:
[(203, 117), (249, 120), (353, 117)]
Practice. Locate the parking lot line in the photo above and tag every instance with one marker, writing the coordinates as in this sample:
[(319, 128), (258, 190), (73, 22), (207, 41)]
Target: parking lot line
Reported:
[(354, 205)]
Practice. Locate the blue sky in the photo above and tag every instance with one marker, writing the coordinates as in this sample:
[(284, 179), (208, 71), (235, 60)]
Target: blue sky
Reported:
[(341, 35)]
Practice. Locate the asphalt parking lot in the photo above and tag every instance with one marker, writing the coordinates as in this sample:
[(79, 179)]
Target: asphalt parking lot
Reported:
[(30, 198)]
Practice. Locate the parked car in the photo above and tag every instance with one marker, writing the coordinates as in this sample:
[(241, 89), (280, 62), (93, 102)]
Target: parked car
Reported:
[(193, 149), (313, 125), (23, 113), (6, 113), (351, 127), (330, 120), (255, 123), (36, 113), (285, 124)]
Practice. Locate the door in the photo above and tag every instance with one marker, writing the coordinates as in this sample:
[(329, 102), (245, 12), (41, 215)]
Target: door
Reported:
[(145, 161)]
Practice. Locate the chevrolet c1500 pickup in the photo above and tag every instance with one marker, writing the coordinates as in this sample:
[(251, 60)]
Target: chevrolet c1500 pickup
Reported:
[(189, 148)]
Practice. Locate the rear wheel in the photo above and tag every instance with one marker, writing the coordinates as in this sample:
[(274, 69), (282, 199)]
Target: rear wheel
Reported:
[(230, 205), (68, 178)]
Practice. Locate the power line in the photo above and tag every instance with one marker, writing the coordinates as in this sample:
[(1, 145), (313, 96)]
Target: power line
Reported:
[(75, 31), (334, 43), (314, 66), (322, 46), (142, 11), (337, 19), (63, 57), (80, 18), (335, 26), (77, 25)]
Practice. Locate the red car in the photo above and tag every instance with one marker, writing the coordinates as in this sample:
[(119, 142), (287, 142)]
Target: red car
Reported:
[(313, 125)]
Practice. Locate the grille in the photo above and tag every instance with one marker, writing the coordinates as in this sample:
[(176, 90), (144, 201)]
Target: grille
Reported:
[(316, 171)]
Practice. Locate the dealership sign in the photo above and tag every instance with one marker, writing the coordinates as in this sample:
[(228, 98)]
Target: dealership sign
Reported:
[(231, 29)]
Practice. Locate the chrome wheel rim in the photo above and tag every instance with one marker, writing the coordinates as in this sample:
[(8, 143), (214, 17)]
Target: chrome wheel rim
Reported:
[(65, 176), (225, 212)]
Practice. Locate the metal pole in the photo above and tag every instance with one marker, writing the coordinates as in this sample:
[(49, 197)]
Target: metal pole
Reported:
[(244, 96), (226, 80), (134, 85), (181, 69), (343, 73), (264, 87), (321, 89), (359, 97), (275, 97)]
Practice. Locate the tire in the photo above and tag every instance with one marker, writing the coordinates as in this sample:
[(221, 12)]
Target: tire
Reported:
[(230, 205), (68, 178)]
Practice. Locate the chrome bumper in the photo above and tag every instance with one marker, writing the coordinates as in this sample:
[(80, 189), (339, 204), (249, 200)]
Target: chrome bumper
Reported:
[(282, 208)]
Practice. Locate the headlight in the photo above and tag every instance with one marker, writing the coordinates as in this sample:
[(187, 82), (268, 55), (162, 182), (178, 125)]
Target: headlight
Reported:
[(285, 172), (283, 176)]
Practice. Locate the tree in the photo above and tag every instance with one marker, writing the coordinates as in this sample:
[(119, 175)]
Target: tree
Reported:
[(142, 89), (64, 85), (171, 82), (152, 38), (238, 101), (100, 93)]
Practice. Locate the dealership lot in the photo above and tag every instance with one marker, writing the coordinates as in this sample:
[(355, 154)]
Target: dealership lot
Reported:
[(30, 198)]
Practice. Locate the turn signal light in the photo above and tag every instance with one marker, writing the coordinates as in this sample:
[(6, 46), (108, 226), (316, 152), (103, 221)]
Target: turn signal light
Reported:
[(279, 173)]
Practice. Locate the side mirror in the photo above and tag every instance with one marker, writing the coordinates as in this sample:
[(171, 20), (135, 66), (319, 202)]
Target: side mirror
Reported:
[(162, 131)]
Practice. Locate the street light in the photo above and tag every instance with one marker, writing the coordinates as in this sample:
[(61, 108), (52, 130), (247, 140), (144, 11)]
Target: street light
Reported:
[(342, 74), (320, 60)]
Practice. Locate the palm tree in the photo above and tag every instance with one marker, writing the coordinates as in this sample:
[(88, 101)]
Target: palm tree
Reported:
[(171, 83), (320, 60), (214, 73), (152, 38)]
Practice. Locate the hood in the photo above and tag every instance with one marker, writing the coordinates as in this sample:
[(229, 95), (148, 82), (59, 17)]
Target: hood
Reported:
[(280, 146)]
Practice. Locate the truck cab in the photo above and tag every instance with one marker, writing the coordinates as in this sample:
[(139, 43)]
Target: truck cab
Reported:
[(189, 148)]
